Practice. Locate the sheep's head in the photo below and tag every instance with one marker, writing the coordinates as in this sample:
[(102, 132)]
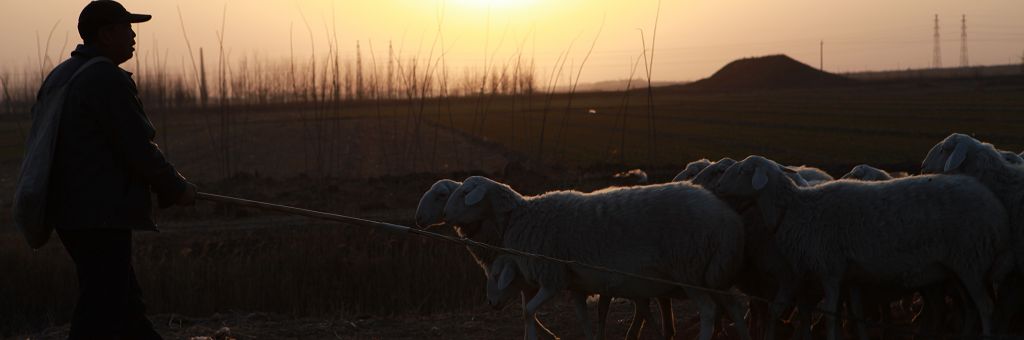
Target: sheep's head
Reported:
[(708, 177), (479, 198), (502, 273), (866, 172), (960, 154), (430, 211), (748, 178), (1012, 158), (691, 170)]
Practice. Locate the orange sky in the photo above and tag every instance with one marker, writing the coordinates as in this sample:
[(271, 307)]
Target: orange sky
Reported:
[(694, 37)]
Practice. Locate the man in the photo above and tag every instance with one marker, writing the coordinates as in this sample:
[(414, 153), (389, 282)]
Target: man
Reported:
[(104, 168)]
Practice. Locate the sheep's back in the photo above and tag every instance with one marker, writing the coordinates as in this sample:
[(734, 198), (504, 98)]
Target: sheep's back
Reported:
[(888, 227), (676, 229)]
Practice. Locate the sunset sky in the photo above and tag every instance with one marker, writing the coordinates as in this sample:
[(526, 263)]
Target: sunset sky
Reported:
[(694, 37)]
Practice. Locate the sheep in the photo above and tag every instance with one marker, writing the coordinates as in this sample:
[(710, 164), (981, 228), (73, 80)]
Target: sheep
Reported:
[(866, 172), (505, 272), (765, 265), (812, 175), (707, 177), (1012, 158), (631, 177), (711, 172), (674, 231), (429, 213), (906, 232), (960, 154), (881, 297), (691, 170)]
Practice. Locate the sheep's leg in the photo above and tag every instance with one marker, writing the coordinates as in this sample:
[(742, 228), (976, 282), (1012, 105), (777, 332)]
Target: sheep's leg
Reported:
[(580, 301), (931, 312), (757, 313), (602, 314), (831, 306), (543, 295), (525, 295), (641, 312), (805, 305), (708, 310), (968, 315), (735, 310), (1009, 303), (982, 298), (783, 298), (884, 318), (668, 319), (857, 310)]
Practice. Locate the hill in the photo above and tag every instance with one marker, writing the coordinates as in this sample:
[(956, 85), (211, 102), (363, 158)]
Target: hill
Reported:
[(768, 72)]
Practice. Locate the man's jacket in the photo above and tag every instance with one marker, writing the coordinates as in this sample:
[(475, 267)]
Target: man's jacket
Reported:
[(105, 163)]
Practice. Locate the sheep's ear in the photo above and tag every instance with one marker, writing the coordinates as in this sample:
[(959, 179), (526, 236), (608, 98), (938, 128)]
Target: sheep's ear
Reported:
[(957, 158), (476, 195), (760, 178), (508, 274)]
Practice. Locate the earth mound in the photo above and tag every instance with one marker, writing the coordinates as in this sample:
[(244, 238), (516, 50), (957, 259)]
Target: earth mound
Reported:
[(768, 72)]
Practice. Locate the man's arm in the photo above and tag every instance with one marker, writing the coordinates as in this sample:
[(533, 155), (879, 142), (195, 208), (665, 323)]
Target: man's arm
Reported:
[(131, 134)]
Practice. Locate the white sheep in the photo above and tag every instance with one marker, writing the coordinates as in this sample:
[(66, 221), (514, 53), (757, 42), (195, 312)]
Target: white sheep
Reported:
[(866, 172), (691, 170), (906, 232), (429, 213), (961, 154), (505, 275), (631, 177), (710, 175), (674, 231), (765, 265), (812, 175)]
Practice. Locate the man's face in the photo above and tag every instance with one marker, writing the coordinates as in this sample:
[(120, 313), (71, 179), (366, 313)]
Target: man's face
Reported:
[(118, 42)]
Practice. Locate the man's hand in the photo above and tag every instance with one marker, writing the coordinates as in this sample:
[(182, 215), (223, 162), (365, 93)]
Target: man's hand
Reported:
[(188, 197)]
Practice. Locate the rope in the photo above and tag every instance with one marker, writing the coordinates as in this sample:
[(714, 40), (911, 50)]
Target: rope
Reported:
[(469, 242)]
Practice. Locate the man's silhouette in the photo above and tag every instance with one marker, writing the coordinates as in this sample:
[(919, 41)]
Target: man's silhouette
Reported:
[(105, 167)]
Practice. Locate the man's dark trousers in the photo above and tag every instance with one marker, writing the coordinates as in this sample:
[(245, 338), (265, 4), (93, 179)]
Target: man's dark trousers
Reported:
[(110, 302)]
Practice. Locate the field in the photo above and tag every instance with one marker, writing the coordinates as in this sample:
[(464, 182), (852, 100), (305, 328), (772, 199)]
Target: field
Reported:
[(290, 277)]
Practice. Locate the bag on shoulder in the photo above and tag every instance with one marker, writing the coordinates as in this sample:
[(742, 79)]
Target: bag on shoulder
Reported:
[(34, 178)]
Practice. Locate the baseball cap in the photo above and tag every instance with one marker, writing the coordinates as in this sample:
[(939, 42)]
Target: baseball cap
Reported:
[(100, 13)]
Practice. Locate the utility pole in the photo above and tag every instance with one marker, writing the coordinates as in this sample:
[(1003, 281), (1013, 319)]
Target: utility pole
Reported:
[(1022, 62), (963, 41), (821, 56), (937, 50)]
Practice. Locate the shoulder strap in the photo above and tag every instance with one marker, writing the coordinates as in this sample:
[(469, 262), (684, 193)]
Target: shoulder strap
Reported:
[(93, 61)]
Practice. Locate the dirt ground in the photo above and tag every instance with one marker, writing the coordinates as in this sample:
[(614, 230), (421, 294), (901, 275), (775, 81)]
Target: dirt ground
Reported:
[(482, 323)]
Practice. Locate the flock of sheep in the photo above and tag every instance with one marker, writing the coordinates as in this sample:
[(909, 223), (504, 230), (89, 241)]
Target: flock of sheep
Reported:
[(791, 235)]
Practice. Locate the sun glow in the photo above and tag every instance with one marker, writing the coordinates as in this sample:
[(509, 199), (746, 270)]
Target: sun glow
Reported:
[(495, 4)]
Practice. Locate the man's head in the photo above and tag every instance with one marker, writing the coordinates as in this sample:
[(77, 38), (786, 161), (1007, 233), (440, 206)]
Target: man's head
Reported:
[(107, 25)]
